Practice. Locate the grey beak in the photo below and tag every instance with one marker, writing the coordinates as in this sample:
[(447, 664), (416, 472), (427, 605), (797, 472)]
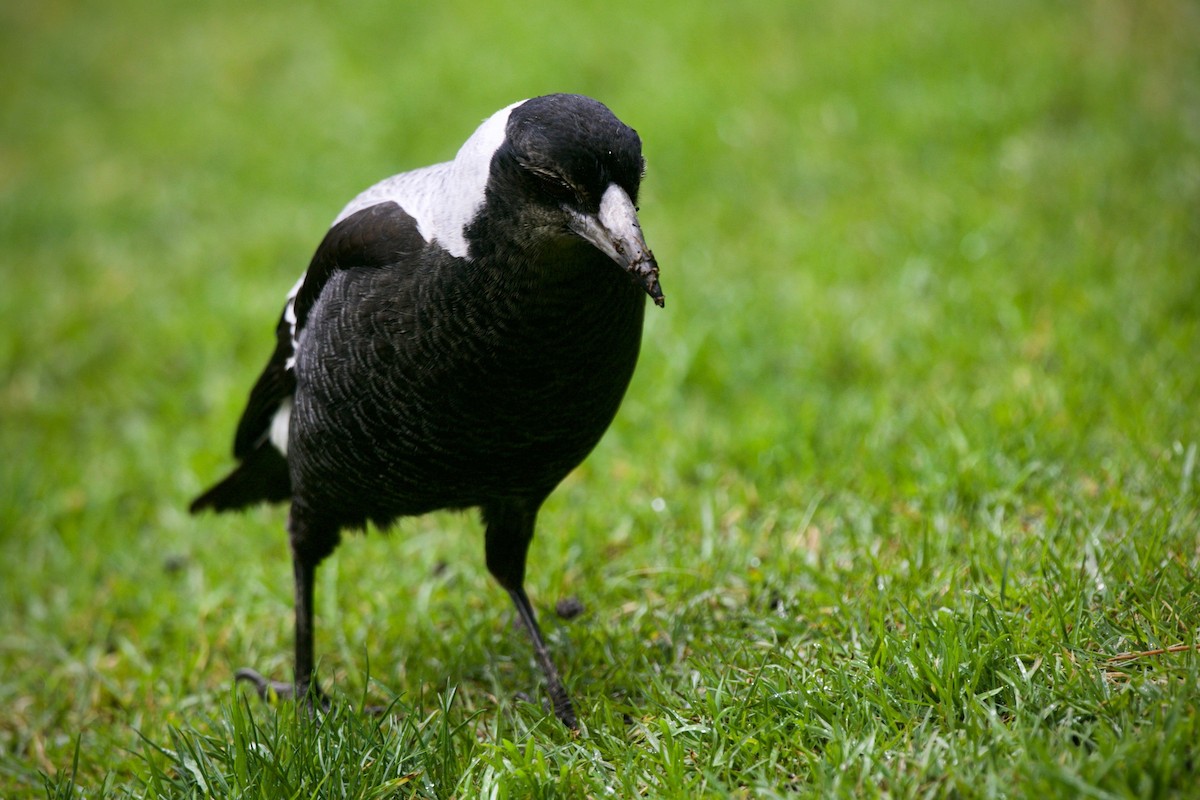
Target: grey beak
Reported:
[(615, 232)]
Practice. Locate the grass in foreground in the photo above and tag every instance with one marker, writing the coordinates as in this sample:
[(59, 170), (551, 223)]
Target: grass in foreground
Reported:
[(909, 462)]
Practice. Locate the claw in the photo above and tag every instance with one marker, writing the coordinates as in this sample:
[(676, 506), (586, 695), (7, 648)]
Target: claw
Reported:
[(272, 691)]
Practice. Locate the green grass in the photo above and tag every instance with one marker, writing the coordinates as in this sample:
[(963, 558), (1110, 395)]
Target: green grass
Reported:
[(910, 456)]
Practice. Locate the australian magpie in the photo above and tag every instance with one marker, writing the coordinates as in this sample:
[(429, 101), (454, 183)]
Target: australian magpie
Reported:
[(462, 338)]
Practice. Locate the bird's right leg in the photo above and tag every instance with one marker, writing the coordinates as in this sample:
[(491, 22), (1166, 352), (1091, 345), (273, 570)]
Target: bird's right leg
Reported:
[(509, 530), (309, 544)]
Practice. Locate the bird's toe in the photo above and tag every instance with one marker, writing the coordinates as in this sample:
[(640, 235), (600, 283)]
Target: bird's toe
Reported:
[(271, 691), (267, 689)]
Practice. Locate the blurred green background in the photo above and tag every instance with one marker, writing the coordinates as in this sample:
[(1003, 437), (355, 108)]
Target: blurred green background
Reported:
[(931, 335)]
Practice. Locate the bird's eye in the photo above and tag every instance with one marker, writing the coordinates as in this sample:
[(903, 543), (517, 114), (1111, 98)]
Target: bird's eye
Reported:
[(554, 184)]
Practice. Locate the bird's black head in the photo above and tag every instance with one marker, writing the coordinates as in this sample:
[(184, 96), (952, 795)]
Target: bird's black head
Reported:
[(567, 171), (570, 148)]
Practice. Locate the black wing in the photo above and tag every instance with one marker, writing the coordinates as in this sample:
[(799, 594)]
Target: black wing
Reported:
[(379, 236), (383, 235)]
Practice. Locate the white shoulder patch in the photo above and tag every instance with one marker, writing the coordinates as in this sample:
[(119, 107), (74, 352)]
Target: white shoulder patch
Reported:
[(280, 424), (443, 198), (289, 316)]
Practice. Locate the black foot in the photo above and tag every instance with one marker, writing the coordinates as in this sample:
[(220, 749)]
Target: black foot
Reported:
[(563, 708), (270, 690), (559, 703)]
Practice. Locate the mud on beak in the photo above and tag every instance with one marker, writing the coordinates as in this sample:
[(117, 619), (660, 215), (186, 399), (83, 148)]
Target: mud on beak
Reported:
[(615, 231)]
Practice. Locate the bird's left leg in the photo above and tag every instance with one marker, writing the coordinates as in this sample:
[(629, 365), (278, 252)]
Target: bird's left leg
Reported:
[(509, 532), (310, 544)]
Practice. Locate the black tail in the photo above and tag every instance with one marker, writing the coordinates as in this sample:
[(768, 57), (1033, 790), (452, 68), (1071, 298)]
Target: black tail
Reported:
[(261, 477)]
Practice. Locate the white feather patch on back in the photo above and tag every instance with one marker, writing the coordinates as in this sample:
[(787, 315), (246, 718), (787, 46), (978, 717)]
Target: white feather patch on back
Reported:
[(280, 424), (443, 198)]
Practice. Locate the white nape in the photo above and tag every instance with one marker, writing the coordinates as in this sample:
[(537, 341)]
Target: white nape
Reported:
[(443, 198)]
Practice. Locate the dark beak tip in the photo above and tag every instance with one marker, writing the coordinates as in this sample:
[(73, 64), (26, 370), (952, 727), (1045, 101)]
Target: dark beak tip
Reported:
[(655, 291)]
